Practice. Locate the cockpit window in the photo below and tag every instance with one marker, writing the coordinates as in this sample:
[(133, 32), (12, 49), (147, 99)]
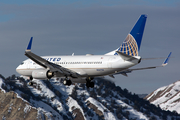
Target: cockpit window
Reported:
[(22, 63)]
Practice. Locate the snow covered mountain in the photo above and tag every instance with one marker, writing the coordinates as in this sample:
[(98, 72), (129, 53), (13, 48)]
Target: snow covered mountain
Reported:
[(53, 101), (167, 97)]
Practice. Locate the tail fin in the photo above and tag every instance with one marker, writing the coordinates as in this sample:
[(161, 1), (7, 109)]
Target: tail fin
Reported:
[(132, 43)]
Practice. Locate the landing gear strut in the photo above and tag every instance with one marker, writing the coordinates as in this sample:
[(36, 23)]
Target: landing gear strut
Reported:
[(89, 83)]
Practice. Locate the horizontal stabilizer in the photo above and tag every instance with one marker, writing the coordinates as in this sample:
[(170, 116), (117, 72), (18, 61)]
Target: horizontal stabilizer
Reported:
[(124, 72), (125, 56)]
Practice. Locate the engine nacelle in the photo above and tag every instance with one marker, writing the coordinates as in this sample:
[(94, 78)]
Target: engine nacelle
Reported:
[(42, 74)]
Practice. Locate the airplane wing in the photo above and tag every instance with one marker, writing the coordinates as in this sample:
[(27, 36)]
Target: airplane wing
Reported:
[(48, 65), (130, 70)]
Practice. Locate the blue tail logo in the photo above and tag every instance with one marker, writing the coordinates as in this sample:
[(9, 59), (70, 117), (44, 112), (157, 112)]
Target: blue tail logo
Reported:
[(129, 46), (132, 43)]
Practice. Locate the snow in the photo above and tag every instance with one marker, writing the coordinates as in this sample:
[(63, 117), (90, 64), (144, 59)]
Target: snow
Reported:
[(19, 83), (27, 108), (56, 106), (156, 92), (133, 112), (170, 98), (65, 90), (48, 94), (1, 82), (3, 118), (44, 90), (72, 103), (108, 115), (46, 109)]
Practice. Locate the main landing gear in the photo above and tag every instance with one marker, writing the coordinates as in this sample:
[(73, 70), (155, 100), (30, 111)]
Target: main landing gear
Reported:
[(89, 83), (67, 82)]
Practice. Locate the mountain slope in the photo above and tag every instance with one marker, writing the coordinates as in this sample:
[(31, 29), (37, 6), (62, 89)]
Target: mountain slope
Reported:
[(53, 101), (167, 97)]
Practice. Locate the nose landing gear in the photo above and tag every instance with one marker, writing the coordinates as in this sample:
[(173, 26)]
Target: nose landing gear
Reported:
[(31, 82)]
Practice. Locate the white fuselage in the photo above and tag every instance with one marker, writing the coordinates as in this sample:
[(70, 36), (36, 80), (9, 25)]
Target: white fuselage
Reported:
[(86, 66)]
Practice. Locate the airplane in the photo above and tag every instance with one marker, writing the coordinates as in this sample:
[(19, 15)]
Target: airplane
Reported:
[(84, 68)]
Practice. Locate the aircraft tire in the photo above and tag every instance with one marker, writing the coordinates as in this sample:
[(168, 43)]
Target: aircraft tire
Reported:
[(30, 83), (90, 84), (67, 82)]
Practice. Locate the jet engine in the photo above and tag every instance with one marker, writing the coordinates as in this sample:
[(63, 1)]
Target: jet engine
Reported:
[(42, 74)]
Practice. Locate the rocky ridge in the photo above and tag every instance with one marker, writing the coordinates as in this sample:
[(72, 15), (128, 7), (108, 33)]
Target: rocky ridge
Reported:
[(53, 101), (167, 97)]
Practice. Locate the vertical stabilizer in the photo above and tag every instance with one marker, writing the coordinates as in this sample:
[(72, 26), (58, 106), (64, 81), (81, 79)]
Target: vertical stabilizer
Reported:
[(138, 29), (132, 43)]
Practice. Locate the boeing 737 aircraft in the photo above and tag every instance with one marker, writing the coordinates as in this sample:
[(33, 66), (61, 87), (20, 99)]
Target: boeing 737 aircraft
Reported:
[(84, 68)]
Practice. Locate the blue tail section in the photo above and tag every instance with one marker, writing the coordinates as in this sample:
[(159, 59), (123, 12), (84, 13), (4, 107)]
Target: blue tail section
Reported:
[(138, 29), (132, 43)]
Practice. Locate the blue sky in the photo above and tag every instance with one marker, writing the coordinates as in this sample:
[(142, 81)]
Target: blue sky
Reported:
[(91, 2), (97, 27)]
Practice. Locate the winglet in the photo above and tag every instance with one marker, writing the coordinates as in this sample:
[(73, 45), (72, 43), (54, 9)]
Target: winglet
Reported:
[(29, 45), (167, 59)]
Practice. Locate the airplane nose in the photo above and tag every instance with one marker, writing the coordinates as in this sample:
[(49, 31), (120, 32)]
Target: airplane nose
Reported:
[(18, 70)]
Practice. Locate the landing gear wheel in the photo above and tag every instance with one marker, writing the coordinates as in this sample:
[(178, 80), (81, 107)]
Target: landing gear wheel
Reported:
[(67, 82), (30, 83), (90, 84)]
